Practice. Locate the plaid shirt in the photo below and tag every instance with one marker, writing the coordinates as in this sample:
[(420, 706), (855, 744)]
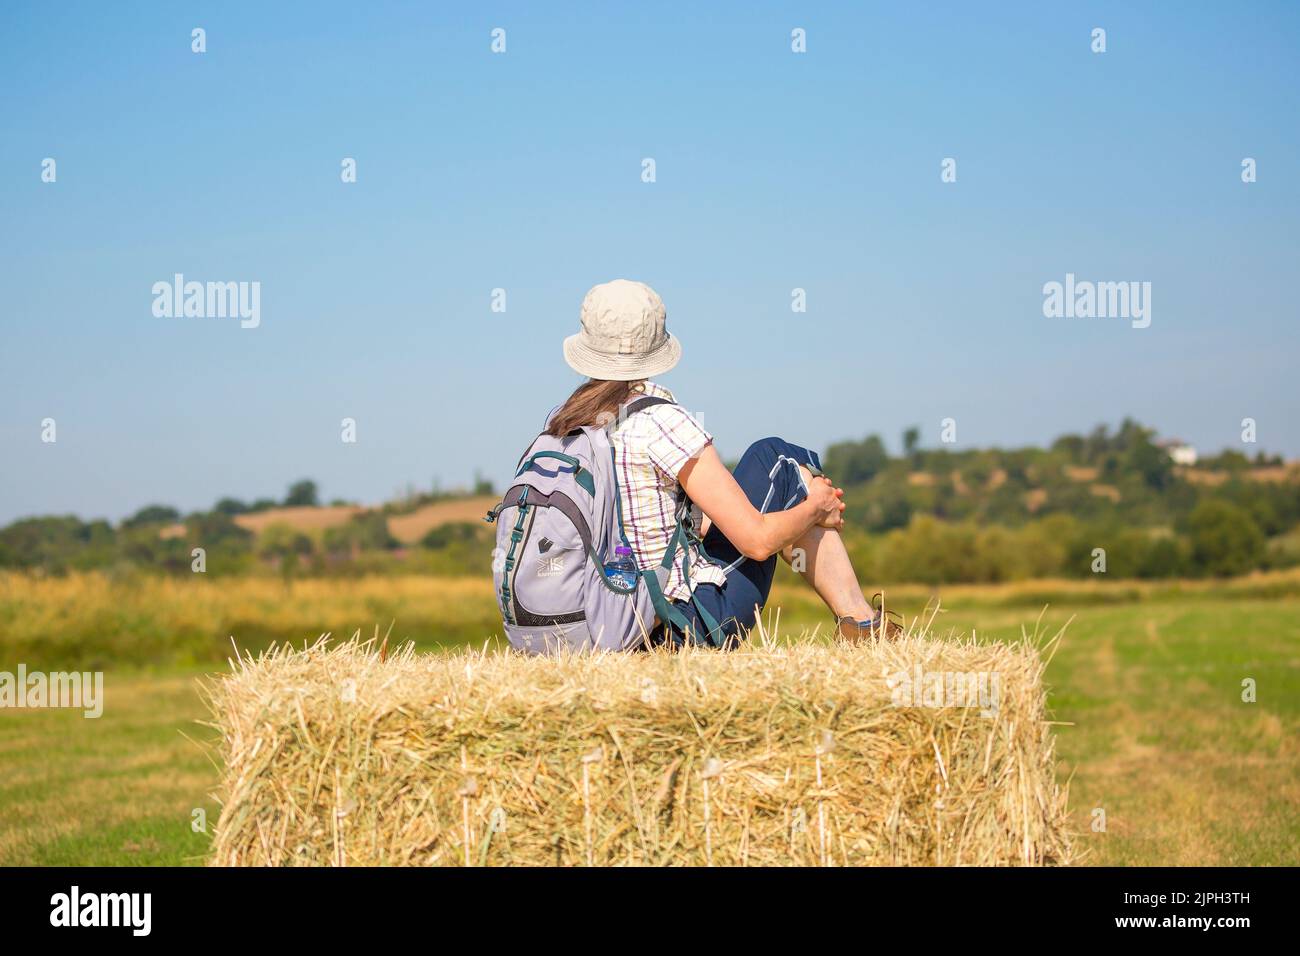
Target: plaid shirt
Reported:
[(650, 448)]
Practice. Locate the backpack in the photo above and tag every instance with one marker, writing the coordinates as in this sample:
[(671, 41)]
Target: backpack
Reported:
[(555, 526)]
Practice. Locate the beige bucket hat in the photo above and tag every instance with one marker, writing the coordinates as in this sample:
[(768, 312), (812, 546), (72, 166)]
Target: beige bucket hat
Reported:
[(623, 335)]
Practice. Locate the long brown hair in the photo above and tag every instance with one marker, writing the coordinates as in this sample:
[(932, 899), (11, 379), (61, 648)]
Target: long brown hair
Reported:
[(594, 402)]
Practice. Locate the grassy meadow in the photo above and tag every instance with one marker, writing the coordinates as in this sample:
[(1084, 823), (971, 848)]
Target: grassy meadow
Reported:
[(1146, 685)]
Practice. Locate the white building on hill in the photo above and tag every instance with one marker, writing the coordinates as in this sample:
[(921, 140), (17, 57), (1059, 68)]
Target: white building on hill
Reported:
[(1181, 452)]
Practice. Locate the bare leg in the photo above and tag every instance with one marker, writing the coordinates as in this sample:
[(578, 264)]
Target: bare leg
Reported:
[(826, 566)]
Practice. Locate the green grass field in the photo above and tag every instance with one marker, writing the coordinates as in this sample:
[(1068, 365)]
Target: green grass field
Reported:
[(1147, 685)]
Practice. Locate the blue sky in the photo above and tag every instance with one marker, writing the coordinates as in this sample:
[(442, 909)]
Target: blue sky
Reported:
[(522, 171)]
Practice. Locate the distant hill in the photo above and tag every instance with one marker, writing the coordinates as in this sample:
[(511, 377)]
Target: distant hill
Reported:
[(411, 528), (1121, 502), (407, 528)]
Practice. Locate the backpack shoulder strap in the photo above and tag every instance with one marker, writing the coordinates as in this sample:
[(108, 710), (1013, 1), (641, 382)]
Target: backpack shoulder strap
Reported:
[(646, 401)]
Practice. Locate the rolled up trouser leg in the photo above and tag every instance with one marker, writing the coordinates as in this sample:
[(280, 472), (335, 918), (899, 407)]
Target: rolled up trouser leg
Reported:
[(768, 473)]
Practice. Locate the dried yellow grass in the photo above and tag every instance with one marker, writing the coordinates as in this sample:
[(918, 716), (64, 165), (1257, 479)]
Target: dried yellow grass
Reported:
[(411, 528), (771, 755), (304, 518)]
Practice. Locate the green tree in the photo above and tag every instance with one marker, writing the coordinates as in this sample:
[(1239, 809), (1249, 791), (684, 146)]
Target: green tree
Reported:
[(1227, 460), (367, 531), (911, 440), (284, 546), (144, 547), (1225, 539), (855, 463), (152, 514), (216, 530), (57, 544), (452, 533), (1165, 557), (1096, 445), (302, 494), (1145, 458), (459, 547), (1071, 445)]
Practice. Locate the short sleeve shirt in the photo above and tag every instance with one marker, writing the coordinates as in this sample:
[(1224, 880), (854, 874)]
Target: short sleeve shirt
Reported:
[(650, 450)]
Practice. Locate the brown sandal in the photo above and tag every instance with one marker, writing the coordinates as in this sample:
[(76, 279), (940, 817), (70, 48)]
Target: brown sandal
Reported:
[(884, 623)]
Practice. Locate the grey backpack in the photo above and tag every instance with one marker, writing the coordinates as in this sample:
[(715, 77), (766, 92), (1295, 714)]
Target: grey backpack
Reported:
[(556, 525)]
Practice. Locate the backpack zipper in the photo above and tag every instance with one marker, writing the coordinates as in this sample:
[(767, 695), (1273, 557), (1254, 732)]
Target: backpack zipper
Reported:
[(507, 575)]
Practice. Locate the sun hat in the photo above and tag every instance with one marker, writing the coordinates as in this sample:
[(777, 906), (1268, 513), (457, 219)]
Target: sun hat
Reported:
[(623, 335)]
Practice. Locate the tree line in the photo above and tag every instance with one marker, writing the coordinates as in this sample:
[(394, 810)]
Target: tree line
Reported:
[(1108, 502)]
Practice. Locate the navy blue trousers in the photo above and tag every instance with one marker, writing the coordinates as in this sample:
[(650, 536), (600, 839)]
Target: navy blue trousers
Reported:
[(768, 473)]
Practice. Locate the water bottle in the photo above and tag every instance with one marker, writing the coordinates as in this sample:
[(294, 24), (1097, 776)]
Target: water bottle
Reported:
[(622, 571)]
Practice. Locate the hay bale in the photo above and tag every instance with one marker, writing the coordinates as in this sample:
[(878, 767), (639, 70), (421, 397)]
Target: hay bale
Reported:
[(772, 755)]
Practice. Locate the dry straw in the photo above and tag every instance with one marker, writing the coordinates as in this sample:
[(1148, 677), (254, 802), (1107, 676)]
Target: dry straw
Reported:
[(800, 754)]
